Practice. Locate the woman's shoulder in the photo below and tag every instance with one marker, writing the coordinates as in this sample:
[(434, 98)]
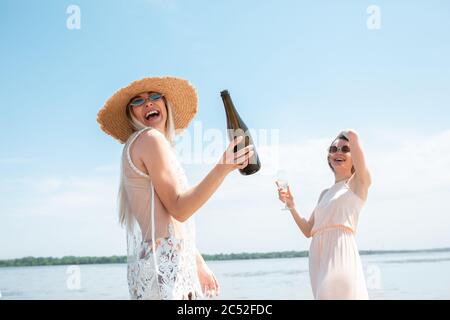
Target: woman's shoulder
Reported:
[(151, 133), (151, 137), (322, 194), (151, 146)]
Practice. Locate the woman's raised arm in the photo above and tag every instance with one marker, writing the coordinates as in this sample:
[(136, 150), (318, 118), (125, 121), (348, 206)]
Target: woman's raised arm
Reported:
[(362, 176), (154, 152)]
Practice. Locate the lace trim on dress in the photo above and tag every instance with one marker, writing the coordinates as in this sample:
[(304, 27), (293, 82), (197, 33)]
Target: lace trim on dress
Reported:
[(175, 276)]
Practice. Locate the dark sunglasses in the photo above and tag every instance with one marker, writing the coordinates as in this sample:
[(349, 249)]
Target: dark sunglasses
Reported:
[(139, 101), (343, 149)]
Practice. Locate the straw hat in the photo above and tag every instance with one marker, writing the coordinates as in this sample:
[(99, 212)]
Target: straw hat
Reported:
[(178, 92)]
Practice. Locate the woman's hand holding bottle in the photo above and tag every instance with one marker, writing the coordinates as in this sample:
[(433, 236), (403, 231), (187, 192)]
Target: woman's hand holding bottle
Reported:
[(231, 160)]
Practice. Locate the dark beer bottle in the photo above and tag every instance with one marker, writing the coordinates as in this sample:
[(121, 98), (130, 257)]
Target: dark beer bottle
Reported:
[(236, 127)]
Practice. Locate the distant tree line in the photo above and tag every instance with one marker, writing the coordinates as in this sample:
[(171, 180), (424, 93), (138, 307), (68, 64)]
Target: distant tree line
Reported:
[(256, 255), (72, 260), (68, 260)]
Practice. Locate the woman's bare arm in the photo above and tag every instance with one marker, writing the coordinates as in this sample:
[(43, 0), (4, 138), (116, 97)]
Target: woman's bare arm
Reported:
[(303, 224), (154, 152), (362, 178), (208, 281)]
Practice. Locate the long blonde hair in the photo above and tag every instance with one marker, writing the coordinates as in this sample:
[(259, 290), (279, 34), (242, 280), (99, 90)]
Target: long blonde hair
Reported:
[(137, 125)]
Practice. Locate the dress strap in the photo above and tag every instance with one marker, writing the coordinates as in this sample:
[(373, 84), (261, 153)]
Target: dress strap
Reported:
[(130, 162), (348, 180), (152, 190), (153, 229)]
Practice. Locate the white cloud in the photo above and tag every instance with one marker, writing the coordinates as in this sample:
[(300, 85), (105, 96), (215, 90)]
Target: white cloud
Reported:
[(416, 166), (407, 205), (56, 196), (56, 216)]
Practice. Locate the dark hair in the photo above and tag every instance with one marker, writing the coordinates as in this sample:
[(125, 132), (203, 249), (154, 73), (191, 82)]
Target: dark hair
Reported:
[(340, 137)]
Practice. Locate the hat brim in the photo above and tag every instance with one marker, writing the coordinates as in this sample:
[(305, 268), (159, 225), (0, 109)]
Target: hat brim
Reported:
[(181, 95)]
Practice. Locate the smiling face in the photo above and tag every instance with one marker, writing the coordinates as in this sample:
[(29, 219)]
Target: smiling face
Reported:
[(151, 113), (340, 162)]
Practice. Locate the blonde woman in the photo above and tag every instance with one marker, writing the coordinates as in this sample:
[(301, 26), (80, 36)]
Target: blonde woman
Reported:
[(156, 204), (334, 263)]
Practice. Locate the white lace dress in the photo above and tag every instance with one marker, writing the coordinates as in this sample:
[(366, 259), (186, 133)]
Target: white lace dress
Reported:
[(166, 268)]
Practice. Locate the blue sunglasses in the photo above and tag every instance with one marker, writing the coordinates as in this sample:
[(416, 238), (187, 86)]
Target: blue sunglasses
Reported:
[(139, 101)]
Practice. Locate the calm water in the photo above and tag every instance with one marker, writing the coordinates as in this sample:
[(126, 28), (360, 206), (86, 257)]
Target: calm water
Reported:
[(388, 276)]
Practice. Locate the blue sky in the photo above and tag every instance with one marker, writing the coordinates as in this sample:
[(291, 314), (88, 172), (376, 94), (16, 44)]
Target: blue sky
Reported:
[(308, 69)]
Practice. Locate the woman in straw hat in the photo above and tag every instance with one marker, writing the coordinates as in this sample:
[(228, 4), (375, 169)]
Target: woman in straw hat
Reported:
[(155, 203), (334, 264)]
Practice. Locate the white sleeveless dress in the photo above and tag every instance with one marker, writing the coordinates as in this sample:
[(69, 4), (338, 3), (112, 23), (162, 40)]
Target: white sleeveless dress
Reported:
[(164, 269), (334, 263)]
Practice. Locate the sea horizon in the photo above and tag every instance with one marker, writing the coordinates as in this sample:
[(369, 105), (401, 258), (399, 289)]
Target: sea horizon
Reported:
[(413, 275), (31, 261)]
